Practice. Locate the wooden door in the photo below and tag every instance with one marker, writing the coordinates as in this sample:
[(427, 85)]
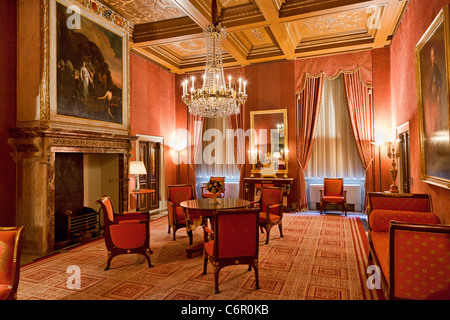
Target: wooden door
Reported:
[(149, 154)]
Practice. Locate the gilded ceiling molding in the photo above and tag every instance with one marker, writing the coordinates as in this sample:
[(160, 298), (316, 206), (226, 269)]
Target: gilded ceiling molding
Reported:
[(332, 23), (145, 11), (106, 13)]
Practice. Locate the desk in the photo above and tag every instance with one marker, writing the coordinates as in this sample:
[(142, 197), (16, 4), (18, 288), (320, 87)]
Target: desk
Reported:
[(138, 193), (203, 209), (252, 184)]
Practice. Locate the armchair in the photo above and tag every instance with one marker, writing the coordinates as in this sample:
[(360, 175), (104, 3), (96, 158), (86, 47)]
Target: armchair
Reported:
[(175, 195), (10, 249), (235, 241), (271, 209), (125, 233), (333, 193), (210, 194)]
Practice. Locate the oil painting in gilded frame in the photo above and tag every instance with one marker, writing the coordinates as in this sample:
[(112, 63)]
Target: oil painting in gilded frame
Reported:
[(432, 65), (90, 69)]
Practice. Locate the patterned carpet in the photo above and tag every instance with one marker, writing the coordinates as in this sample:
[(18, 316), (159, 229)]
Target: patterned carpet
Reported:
[(319, 258)]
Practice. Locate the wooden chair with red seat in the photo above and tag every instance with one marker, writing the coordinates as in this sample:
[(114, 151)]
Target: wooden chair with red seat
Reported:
[(175, 195), (235, 241), (333, 193), (125, 233), (271, 209), (208, 194), (10, 250)]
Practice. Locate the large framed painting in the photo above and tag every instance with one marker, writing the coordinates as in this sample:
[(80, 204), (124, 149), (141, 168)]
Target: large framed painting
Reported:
[(89, 72), (432, 65)]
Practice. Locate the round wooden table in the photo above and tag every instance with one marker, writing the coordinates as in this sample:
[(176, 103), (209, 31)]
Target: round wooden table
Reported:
[(204, 209), (205, 204)]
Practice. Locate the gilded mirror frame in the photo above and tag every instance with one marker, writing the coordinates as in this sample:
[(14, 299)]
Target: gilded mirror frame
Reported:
[(253, 151), (433, 117)]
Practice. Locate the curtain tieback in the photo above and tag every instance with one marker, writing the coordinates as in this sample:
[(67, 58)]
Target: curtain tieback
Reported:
[(300, 165), (368, 166), (303, 170)]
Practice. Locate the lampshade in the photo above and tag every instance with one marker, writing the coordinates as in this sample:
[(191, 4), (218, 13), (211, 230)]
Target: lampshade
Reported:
[(277, 155), (137, 167)]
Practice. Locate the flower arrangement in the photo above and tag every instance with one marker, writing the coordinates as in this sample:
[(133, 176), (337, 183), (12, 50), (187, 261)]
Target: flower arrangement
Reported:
[(215, 186)]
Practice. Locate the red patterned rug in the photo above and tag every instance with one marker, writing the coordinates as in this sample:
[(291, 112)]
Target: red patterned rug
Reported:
[(319, 258)]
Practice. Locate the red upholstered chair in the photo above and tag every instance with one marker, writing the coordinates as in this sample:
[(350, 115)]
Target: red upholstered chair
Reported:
[(10, 249), (235, 241), (206, 194), (125, 233), (175, 195), (271, 209), (333, 193)]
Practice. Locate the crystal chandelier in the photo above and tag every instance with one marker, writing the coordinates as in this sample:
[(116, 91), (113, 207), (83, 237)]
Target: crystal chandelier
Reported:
[(214, 99)]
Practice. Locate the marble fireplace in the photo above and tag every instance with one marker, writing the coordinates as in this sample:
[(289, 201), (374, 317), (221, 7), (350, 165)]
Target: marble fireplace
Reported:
[(34, 152)]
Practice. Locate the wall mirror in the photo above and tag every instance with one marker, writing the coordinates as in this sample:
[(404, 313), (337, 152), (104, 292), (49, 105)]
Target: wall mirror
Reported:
[(269, 152)]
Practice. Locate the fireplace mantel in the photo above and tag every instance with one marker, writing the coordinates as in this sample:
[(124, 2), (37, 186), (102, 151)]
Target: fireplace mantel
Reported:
[(34, 152)]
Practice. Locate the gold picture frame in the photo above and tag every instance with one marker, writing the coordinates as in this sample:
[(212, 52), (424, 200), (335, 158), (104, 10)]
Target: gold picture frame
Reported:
[(108, 108), (432, 54), (275, 159)]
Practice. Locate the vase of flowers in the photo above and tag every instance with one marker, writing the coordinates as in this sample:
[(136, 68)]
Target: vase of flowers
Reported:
[(215, 186)]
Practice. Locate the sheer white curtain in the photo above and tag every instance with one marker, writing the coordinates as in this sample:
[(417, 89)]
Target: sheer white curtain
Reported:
[(218, 160), (334, 153)]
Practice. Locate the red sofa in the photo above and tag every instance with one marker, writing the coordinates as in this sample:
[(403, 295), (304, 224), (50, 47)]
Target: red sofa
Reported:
[(409, 245)]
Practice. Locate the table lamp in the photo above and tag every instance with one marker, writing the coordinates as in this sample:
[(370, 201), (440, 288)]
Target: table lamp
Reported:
[(137, 168)]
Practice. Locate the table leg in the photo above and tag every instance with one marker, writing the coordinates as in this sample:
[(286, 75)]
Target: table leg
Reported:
[(191, 248), (137, 202)]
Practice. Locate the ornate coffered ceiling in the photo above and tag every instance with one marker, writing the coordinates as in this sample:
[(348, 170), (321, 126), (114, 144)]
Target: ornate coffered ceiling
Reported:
[(169, 32)]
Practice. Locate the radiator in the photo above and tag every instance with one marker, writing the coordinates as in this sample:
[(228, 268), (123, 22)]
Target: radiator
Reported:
[(353, 194)]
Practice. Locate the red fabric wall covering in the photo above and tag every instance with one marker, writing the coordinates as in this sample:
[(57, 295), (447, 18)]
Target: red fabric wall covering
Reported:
[(272, 86), (182, 120), (415, 22), (382, 112), (152, 107), (152, 98), (8, 79)]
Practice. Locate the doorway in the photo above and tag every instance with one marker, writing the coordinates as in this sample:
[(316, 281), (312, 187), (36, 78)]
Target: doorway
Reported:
[(149, 153), (150, 150)]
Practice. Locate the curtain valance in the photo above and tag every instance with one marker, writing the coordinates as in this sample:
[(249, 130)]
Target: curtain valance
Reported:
[(357, 80), (333, 66)]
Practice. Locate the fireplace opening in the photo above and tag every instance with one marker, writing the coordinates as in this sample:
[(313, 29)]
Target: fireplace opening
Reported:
[(80, 180)]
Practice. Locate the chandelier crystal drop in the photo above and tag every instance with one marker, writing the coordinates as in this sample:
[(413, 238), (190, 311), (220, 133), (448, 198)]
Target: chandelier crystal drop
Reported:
[(216, 98)]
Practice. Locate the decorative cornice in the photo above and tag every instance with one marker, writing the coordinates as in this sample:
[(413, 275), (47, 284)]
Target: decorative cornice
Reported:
[(106, 13), (165, 29), (241, 15)]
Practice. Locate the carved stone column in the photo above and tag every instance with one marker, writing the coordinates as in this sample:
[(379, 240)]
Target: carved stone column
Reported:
[(31, 157)]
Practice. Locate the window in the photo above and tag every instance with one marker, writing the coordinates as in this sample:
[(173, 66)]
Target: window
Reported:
[(334, 153), (218, 158)]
